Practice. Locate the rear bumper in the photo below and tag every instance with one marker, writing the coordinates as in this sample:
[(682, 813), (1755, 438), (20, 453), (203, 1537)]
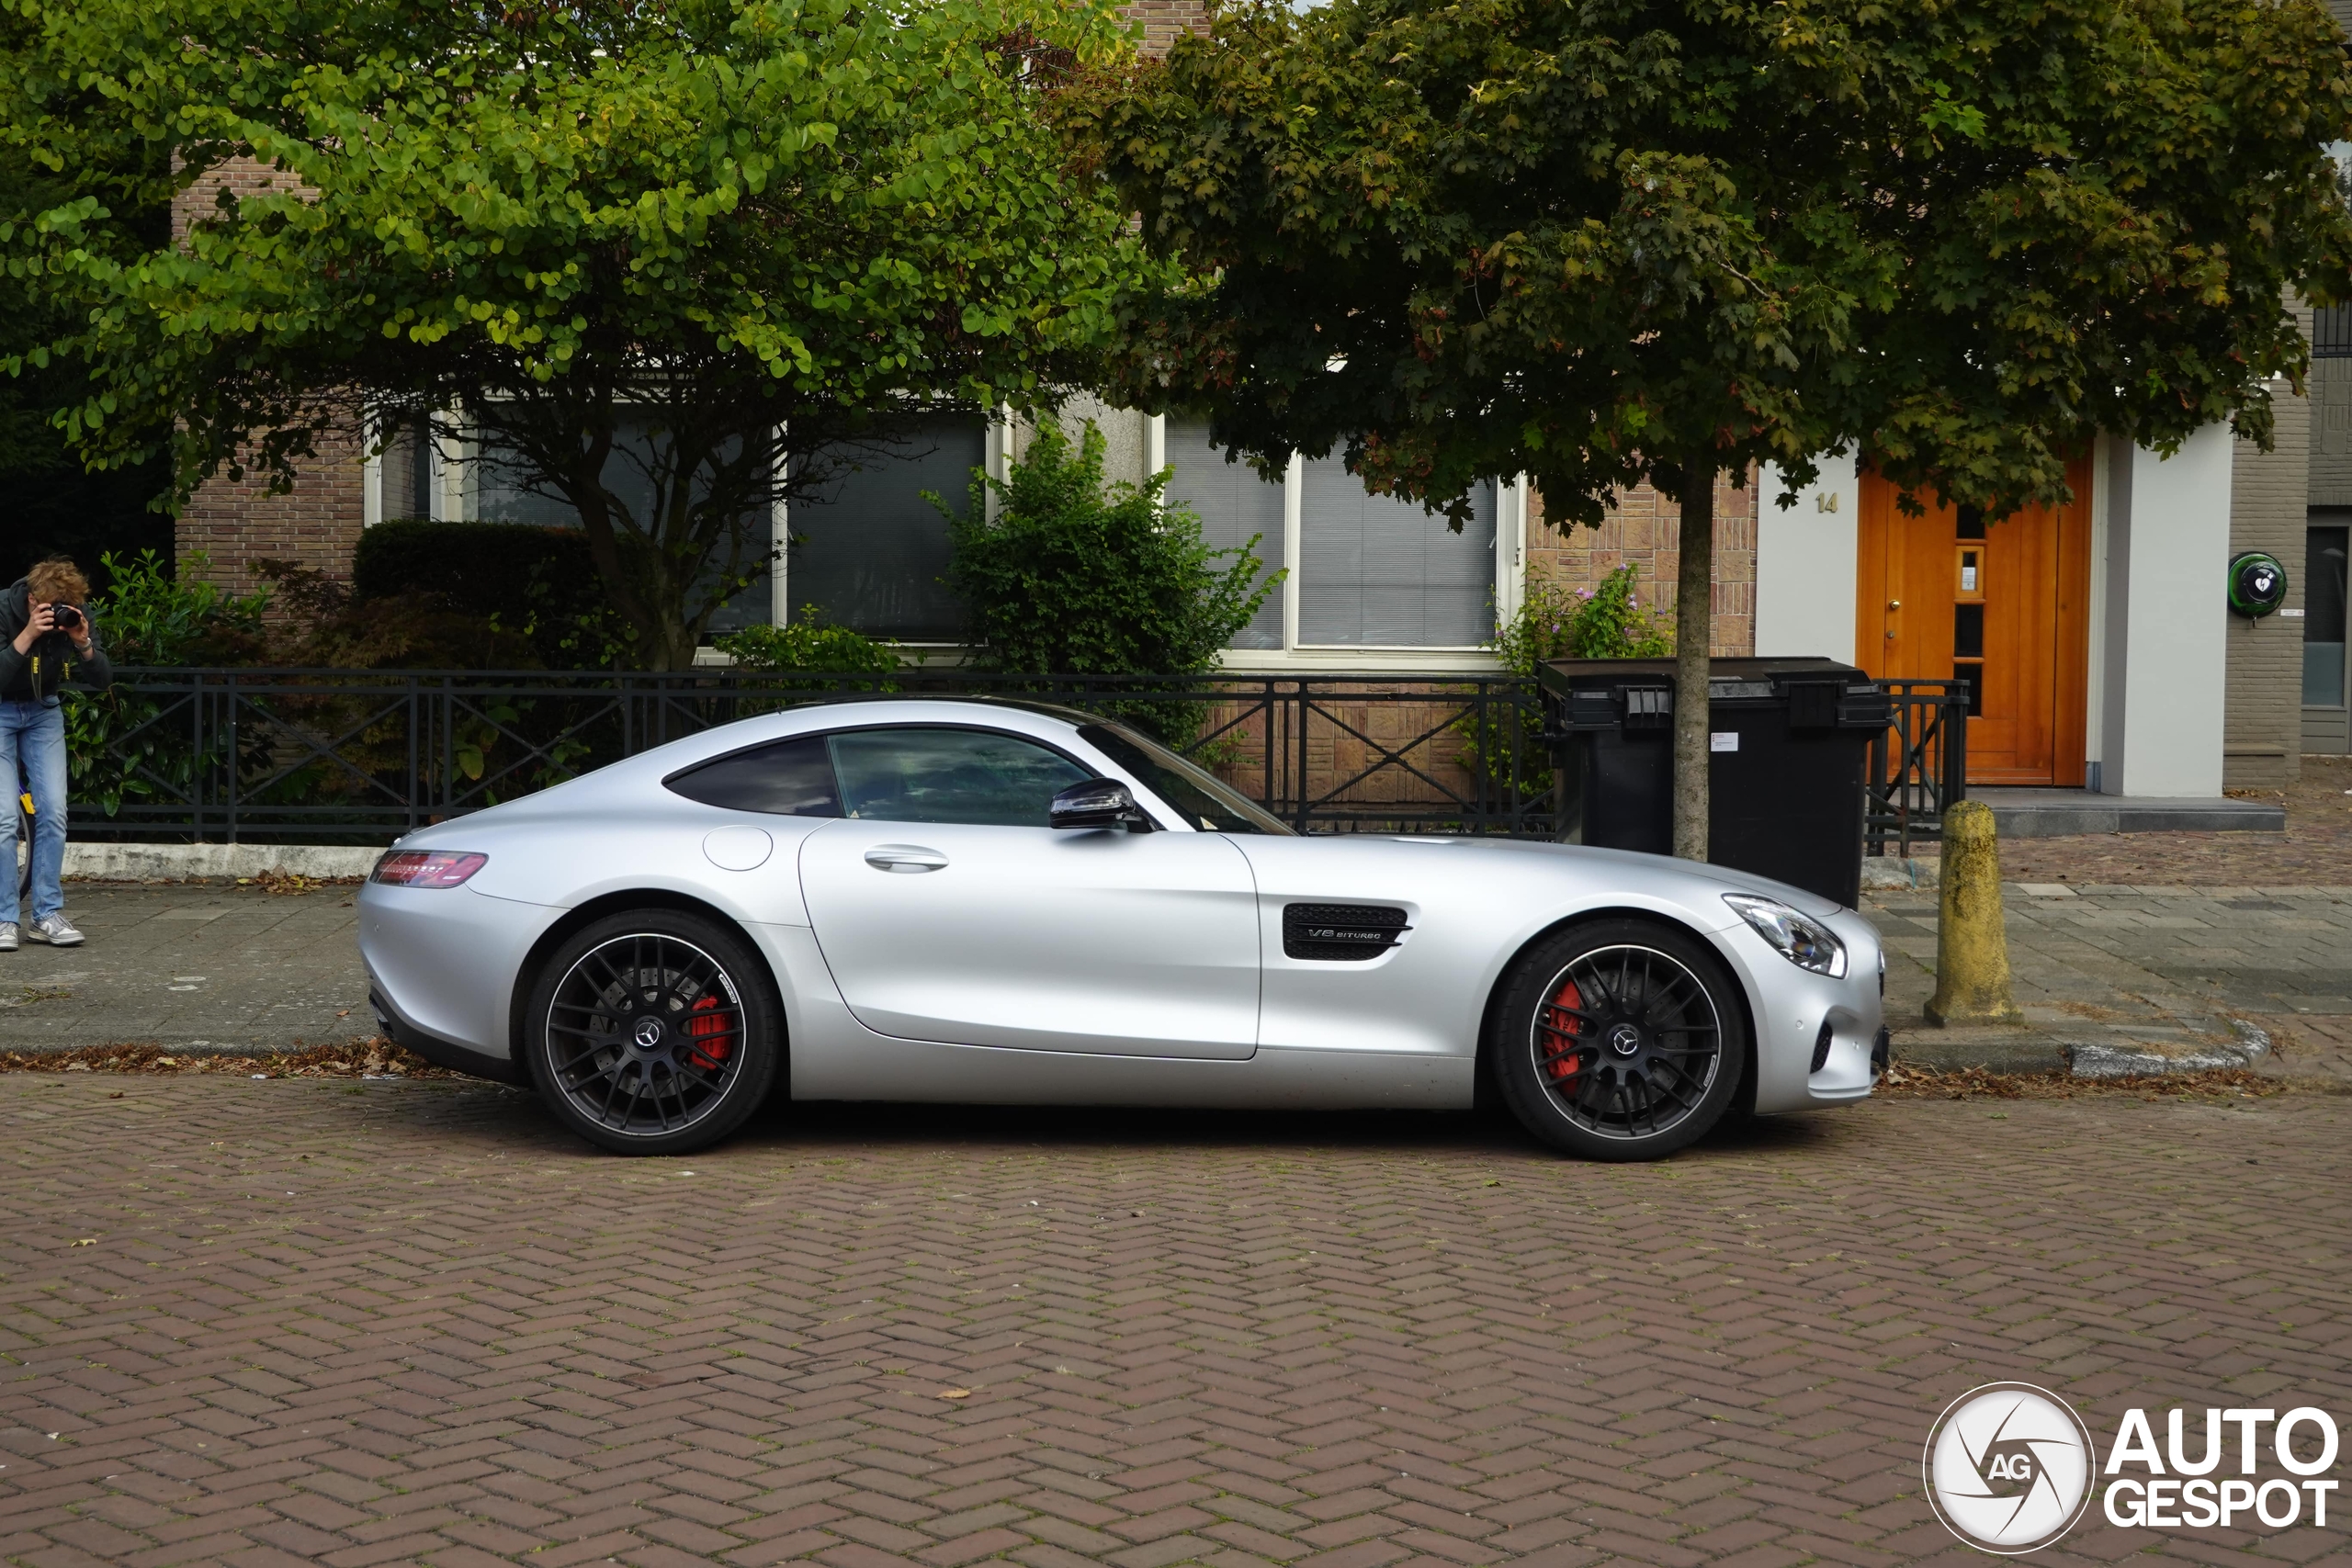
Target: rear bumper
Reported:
[(441, 1053), (442, 964)]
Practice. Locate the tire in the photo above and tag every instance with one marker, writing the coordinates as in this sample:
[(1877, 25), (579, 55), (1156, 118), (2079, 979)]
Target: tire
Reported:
[(1620, 1040), (654, 1031)]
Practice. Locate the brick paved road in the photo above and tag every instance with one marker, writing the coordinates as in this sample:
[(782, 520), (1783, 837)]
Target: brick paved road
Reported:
[(359, 1324)]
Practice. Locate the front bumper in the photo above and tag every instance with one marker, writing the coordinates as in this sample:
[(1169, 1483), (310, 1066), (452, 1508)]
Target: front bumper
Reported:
[(1795, 1068)]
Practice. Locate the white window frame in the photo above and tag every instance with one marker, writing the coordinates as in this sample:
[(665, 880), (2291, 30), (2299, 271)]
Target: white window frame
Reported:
[(1298, 658), (446, 494), (452, 497)]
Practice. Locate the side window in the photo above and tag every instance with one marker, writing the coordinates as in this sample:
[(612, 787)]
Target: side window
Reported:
[(790, 778), (949, 776)]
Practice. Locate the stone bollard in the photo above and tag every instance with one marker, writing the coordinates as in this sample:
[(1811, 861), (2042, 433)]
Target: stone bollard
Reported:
[(1971, 950)]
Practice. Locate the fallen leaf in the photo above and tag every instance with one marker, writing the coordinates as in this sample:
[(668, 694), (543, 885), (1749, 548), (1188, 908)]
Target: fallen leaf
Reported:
[(944, 1393), (115, 1095), (87, 1241)]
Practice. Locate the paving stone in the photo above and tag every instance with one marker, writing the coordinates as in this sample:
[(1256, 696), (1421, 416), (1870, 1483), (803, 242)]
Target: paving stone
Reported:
[(420, 1324), (191, 967)]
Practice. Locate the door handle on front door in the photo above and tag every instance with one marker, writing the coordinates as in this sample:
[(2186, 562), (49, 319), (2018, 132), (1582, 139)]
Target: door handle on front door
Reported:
[(904, 859)]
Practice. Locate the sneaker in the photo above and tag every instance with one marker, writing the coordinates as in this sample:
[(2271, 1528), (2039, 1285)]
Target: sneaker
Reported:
[(7, 936), (56, 930)]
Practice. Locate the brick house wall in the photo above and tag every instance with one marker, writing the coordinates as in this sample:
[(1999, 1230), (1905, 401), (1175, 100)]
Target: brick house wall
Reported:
[(2262, 705), (1642, 531), (232, 524), (1165, 21)]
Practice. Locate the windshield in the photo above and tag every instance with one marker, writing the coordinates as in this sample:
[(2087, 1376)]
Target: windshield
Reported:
[(1207, 802)]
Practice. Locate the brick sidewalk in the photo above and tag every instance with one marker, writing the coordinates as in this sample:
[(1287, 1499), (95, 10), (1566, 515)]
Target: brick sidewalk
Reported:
[(348, 1325), (191, 967), (2314, 851), (2167, 967)]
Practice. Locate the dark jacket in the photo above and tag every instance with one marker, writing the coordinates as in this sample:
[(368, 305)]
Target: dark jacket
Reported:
[(35, 677)]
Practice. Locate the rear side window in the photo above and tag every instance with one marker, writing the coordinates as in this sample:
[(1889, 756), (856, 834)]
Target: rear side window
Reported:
[(790, 778), (951, 775)]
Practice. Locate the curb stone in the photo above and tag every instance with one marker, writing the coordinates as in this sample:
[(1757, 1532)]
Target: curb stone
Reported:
[(2099, 1061), (147, 863), (2031, 1050), (1889, 873)]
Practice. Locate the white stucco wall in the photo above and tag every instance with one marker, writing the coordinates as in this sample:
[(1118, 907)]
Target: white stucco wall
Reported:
[(2161, 675), (1807, 564)]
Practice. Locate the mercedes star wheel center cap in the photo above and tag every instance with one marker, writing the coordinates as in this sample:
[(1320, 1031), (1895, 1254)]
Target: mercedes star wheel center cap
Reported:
[(649, 1032), (1624, 1040)]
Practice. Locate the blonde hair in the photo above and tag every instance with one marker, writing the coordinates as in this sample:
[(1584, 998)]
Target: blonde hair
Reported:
[(58, 580)]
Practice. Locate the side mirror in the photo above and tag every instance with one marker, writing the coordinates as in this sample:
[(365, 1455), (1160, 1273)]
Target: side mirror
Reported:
[(1097, 803)]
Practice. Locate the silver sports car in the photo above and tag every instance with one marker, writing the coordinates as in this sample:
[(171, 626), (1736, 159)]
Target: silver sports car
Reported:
[(985, 901)]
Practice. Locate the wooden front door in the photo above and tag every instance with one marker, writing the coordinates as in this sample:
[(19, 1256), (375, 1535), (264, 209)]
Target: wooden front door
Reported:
[(2006, 606)]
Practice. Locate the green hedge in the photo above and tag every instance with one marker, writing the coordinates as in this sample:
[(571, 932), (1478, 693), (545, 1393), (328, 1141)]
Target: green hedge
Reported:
[(481, 568)]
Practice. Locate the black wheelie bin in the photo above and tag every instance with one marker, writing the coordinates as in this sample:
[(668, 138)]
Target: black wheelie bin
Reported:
[(1788, 743)]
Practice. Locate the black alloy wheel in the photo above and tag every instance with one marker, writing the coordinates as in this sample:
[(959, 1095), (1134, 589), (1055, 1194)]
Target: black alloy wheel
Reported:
[(654, 1032), (1618, 1040)]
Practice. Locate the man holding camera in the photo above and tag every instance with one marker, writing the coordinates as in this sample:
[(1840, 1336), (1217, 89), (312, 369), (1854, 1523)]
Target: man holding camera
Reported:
[(47, 643)]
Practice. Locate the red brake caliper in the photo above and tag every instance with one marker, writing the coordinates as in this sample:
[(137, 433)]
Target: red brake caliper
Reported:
[(1561, 1060), (709, 1034)]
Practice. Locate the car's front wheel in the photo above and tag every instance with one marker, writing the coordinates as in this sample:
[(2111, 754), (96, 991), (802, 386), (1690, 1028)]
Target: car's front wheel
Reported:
[(654, 1031), (1622, 1040)]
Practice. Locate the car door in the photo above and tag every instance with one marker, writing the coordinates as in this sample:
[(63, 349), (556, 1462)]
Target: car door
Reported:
[(949, 911)]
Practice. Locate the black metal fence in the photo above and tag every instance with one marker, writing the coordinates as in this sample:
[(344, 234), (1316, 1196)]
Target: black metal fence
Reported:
[(359, 757), (1919, 767)]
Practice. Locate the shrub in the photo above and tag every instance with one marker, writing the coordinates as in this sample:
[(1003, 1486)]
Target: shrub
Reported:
[(146, 616), (811, 644), (538, 583), (480, 568), (115, 747), (327, 626), (1075, 576), (1605, 621)]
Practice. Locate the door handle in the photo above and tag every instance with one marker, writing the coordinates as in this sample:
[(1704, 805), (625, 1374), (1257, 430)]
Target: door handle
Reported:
[(905, 859)]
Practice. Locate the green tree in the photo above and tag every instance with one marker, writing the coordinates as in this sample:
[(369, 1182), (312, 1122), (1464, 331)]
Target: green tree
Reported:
[(54, 507), (619, 245), (1621, 240)]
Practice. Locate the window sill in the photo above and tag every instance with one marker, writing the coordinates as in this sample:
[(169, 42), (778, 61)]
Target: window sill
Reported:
[(1351, 661)]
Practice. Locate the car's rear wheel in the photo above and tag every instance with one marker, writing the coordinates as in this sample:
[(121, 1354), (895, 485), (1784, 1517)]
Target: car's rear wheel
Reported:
[(1622, 1040), (654, 1032)]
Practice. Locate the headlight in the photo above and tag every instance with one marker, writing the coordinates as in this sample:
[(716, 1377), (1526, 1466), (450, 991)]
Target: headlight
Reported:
[(1803, 940)]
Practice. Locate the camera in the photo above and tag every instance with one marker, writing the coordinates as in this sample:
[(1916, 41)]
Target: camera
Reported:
[(65, 617)]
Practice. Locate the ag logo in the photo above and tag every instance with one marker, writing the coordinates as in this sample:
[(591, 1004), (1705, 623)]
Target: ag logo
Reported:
[(2008, 1468)]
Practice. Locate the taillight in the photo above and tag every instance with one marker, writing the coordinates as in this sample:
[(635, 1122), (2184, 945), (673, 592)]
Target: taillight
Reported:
[(420, 868)]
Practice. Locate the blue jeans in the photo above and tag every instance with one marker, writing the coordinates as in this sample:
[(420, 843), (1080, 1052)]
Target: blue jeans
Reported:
[(35, 732)]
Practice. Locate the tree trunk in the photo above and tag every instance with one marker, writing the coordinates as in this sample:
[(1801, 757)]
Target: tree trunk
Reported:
[(1694, 632)]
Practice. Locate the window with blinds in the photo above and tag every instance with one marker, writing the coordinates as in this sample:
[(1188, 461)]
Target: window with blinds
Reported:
[(500, 491), (1234, 504), (1377, 572), (871, 553)]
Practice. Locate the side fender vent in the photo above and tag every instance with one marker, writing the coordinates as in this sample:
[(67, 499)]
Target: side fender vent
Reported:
[(1340, 932)]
